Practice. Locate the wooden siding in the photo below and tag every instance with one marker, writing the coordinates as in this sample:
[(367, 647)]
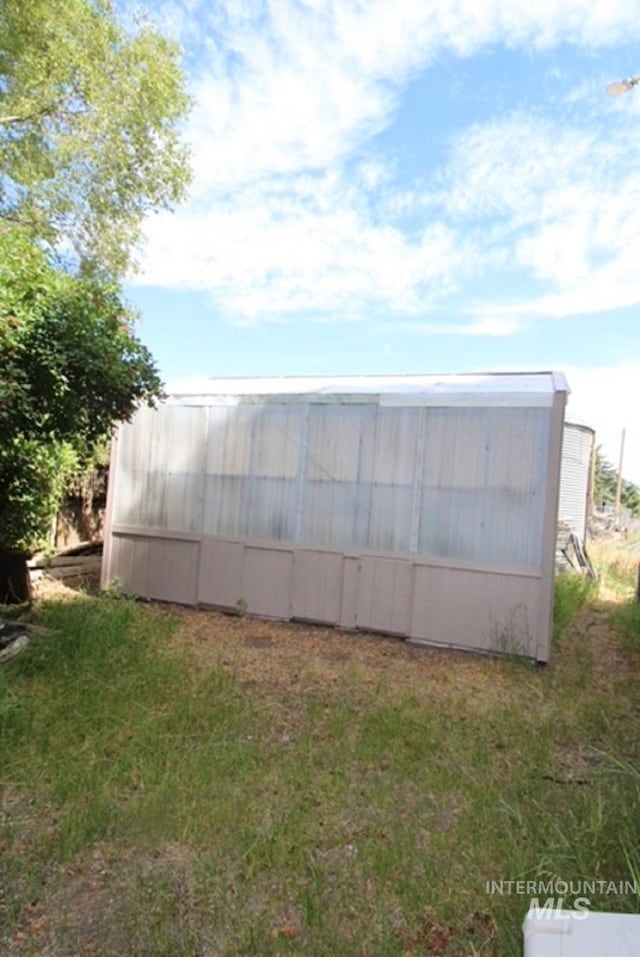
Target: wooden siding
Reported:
[(460, 607)]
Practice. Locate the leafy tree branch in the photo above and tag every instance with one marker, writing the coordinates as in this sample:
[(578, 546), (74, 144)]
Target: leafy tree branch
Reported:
[(89, 128)]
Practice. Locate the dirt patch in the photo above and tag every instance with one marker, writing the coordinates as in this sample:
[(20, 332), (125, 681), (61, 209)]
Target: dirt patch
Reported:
[(574, 765), (592, 636), (77, 911), (98, 904), (258, 641), (293, 654)]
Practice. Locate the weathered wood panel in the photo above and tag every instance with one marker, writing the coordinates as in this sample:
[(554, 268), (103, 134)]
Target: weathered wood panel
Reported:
[(384, 595), (316, 592)]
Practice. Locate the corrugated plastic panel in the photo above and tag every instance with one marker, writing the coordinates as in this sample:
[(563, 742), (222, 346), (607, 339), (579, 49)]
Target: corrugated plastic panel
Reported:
[(276, 441), (388, 469), (335, 514), (460, 483), (134, 440), (335, 434), (335, 504), (389, 454), (229, 440), (160, 481), (485, 474), (227, 471), (226, 505), (575, 470), (390, 518), (253, 464)]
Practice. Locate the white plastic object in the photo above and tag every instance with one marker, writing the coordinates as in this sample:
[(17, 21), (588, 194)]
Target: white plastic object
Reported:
[(565, 933)]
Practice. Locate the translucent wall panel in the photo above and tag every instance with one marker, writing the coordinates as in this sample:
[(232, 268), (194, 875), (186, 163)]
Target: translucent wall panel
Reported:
[(389, 449), (229, 439), (336, 504), (459, 482), (252, 470), (389, 465), (334, 437), (335, 514), (160, 473), (272, 509), (390, 518), (484, 485), (226, 505)]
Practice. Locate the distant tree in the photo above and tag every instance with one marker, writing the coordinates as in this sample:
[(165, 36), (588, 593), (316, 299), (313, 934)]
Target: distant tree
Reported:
[(605, 479), (71, 367), (606, 482), (89, 128), (630, 497)]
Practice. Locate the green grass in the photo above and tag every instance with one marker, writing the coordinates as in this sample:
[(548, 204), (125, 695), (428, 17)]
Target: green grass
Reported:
[(153, 807), (571, 594), (617, 567), (626, 620)]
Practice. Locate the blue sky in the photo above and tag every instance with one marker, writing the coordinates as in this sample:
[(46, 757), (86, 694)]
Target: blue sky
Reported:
[(406, 186)]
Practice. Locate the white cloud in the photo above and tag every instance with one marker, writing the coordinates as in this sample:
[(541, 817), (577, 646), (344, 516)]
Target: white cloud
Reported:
[(607, 398), (291, 85), (562, 206), (314, 247), (490, 327), (283, 222)]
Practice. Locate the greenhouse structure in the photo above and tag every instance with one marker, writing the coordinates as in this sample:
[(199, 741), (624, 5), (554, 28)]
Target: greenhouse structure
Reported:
[(418, 506)]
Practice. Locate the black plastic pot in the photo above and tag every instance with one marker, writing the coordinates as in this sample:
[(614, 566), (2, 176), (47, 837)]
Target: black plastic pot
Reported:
[(15, 583)]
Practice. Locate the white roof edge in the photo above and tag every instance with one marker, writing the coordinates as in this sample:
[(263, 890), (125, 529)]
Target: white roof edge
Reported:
[(430, 386)]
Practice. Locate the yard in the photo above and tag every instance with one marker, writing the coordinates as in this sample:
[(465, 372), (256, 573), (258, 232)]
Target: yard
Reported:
[(180, 782)]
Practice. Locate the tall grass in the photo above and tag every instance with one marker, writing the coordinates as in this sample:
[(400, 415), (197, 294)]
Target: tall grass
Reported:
[(236, 816), (626, 621), (571, 593), (617, 568)]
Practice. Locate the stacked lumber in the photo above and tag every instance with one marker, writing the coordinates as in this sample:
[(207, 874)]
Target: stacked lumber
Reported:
[(84, 559)]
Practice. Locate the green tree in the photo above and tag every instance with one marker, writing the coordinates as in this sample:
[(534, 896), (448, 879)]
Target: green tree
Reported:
[(630, 497), (606, 482), (89, 146), (71, 367), (605, 479), (89, 128)]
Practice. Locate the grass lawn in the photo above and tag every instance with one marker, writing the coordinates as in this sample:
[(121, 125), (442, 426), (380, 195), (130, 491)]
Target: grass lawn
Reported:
[(177, 782)]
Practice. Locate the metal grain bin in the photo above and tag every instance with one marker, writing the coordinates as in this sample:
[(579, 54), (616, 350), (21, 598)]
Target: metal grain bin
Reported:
[(575, 476), (419, 506)]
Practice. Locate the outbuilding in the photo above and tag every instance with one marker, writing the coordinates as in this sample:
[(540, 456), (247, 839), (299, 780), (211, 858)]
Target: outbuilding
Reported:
[(419, 506)]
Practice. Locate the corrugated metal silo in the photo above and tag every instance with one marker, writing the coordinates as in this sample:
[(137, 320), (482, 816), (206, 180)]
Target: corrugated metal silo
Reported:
[(575, 472)]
